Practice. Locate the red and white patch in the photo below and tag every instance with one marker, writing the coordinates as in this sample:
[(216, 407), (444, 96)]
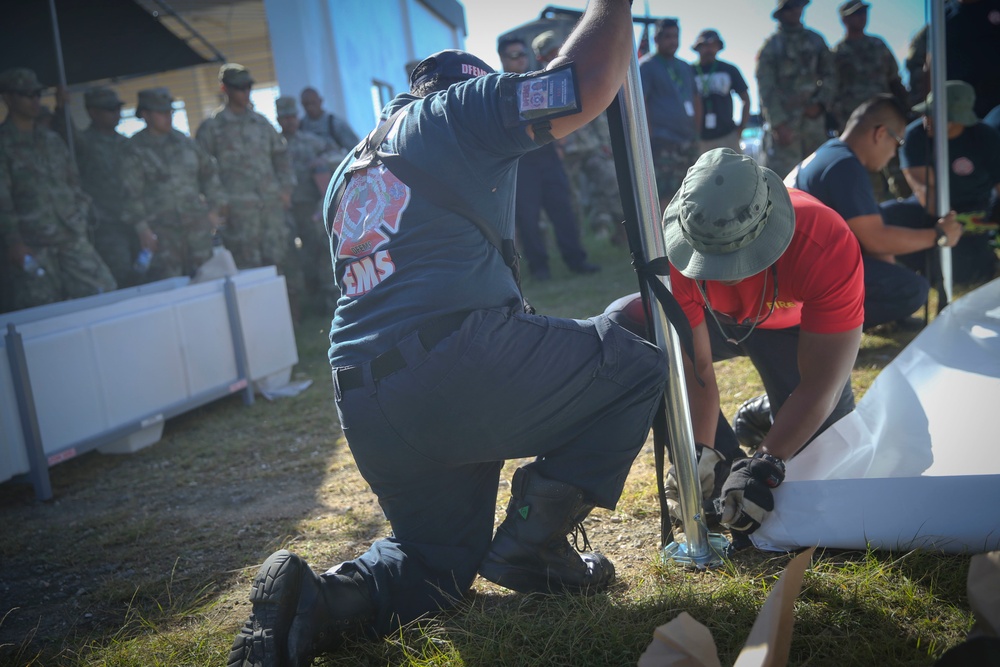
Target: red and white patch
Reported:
[(370, 213), (963, 166)]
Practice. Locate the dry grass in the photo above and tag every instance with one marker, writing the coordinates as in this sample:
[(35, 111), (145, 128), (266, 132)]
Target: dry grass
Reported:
[(145, 559)]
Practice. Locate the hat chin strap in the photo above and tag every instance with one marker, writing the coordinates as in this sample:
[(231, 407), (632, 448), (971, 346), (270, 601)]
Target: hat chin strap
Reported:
[(757, 319)]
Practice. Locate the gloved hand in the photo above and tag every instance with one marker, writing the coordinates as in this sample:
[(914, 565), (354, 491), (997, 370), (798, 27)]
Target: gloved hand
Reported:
[(746, 495), (753, 421), (710, 464)]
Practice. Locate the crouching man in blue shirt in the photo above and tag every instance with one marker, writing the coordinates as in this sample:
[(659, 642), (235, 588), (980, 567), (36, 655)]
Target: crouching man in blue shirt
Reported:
[(439, 373)]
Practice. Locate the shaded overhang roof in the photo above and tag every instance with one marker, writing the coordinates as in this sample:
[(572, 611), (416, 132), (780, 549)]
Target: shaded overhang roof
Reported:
[(101, 39)]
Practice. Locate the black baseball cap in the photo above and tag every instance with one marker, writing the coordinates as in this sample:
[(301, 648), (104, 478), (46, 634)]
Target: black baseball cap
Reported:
[(450, 64)]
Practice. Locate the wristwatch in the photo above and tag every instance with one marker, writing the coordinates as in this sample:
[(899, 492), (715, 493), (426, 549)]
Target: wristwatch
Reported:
[(774, 480), (942, 238)]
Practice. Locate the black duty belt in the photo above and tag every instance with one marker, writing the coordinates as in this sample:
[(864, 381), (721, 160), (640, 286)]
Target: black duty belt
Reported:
[(390, 361)]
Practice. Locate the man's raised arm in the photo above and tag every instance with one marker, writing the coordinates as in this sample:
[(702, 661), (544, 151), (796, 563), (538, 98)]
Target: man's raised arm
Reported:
[(601, 46)]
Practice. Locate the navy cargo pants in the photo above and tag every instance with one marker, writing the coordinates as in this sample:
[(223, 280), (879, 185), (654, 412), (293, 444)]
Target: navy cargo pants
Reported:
[(430, 439)]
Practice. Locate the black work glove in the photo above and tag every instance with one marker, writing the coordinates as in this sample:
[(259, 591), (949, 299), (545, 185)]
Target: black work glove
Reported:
[(746, 495), (753, 421)]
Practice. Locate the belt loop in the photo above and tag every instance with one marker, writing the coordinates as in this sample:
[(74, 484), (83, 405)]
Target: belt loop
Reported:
[(336, 387), (369, 378)]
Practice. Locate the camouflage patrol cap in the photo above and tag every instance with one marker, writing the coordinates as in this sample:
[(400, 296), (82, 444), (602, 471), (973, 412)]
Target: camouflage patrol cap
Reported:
[(236, 75), (20, 80), (788, 4), (545, 42), (286, 106), (101, 97), (852, 6), (960, 98), (155, 99)]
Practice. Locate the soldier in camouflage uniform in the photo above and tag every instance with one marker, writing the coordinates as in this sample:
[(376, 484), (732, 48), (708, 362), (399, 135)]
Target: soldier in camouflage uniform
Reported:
[(864, 65), (589, 163), (314, 159), (865, 68), (172, 189), (99, 160), (797, 84), (590, 166), (255, 171), (316, 120), (43, 210)]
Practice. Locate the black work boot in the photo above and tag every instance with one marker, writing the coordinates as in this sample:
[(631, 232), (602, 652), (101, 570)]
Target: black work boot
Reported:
[(753, 421), (530, 552), (298, 615)]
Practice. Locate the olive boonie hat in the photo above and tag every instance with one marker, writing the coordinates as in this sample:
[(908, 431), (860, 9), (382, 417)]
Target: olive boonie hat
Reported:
[(286, 106), (100, 97), (236, 75), (708, 36), (20, 80), (155, 99), (730, 219), (852, 6), (961, 98), (545, 42), (450, 64)]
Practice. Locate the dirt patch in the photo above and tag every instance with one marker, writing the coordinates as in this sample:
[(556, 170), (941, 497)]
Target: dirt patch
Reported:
[(184, 523)]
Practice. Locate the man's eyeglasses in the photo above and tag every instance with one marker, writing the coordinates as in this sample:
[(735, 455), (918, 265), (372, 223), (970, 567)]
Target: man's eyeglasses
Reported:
[(240, 88), (898, 139), (516, 55)]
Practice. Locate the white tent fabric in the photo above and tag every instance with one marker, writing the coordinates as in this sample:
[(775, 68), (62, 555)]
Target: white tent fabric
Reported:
[(917, 464)]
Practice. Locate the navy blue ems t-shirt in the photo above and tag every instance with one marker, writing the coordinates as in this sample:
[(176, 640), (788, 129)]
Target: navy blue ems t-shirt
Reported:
[(835, 176), (974, 163), (400, 260)]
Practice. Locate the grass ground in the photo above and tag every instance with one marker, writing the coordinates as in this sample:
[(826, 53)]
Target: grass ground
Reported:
[(145, 560)]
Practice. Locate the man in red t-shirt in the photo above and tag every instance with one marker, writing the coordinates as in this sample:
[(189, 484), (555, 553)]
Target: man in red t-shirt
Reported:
[(774, 275)]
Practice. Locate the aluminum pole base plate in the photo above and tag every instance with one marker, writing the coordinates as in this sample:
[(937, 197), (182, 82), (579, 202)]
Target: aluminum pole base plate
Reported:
[(718, 547)]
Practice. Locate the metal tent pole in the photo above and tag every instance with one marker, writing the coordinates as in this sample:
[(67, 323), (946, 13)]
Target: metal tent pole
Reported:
[(38, 463), (939, 121), (62, 79), (701, 549)]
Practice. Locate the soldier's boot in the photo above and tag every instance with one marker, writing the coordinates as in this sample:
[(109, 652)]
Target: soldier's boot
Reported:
[(753, 421), (530, 551), (298, 615)]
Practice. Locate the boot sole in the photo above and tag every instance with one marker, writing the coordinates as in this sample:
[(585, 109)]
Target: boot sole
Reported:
[(274, 596), (527, 580)]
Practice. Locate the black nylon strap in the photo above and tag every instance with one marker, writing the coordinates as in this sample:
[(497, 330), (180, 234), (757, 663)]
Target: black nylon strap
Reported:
[(650, 287)]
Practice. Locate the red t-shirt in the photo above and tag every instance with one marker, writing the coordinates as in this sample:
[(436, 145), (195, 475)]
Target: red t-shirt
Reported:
[(820, 279)]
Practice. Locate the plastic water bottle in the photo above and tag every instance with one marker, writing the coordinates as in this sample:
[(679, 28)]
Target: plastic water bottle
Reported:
[(143, 261), (32, 267)]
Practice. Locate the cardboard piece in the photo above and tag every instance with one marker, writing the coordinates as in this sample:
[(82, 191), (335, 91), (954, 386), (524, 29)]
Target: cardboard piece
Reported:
[(983, 587), (684, 642)]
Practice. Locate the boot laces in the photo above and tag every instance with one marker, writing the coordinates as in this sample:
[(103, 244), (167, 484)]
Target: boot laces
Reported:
[(578, 531)]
